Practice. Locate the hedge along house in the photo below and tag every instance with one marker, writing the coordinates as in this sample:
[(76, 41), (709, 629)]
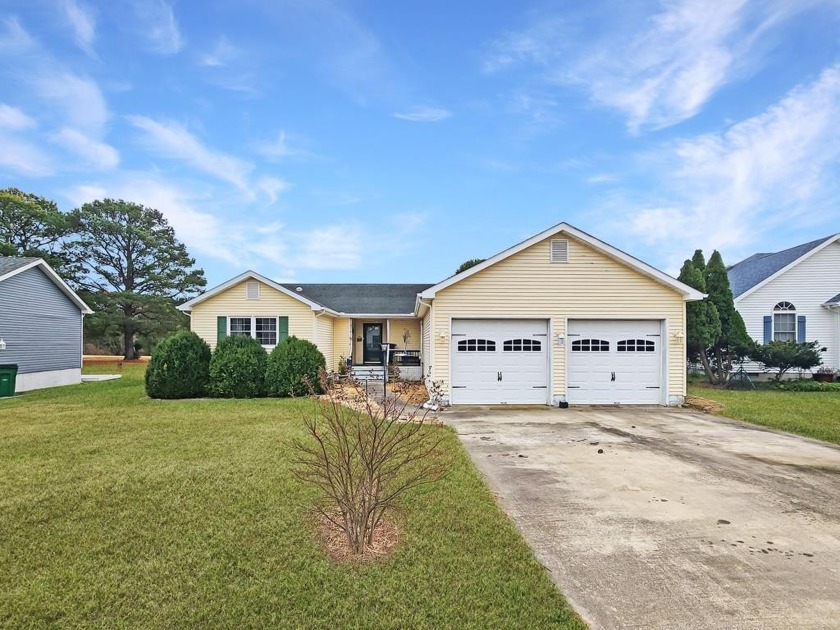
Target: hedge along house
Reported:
[(561, 316), (41, 324)]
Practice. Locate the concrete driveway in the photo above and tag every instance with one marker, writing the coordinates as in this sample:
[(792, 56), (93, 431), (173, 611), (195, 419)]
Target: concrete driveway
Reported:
[(684, 520)]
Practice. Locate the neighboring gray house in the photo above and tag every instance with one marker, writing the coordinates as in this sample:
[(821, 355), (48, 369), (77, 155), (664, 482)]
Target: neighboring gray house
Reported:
[(40, 323), (792, 295)]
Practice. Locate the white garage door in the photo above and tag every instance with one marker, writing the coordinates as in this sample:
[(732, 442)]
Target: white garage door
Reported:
[(499, 361), (614, 361)]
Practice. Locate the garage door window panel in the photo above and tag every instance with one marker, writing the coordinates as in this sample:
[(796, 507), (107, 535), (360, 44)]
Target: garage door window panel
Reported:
[(476, 345), (522, 345), (590, 345), (636, 345)]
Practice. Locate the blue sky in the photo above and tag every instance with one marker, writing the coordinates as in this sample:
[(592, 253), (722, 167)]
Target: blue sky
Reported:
[(390, 141)]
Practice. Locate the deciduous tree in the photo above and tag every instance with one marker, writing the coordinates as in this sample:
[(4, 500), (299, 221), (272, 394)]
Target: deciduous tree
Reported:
[(783, 356), (134, 269), (472, 262)]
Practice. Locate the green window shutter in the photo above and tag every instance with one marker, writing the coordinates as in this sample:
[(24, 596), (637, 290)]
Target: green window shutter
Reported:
[(221, 328), (283, 328)]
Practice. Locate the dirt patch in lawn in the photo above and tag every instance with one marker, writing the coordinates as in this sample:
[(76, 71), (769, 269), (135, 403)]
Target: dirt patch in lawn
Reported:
[(404, 400), (703, 404), (386, 538)]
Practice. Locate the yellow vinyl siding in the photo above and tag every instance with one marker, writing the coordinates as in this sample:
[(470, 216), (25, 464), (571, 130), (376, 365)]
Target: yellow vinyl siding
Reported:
[(398, 326), (342, 341), (324, 338), (232, 303), (590, 285)]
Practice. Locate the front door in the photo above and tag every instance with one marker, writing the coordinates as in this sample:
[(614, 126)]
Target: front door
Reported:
[(373, 343)]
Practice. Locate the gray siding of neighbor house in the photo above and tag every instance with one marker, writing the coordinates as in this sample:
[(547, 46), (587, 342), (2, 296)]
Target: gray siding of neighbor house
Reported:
[(42, 327)]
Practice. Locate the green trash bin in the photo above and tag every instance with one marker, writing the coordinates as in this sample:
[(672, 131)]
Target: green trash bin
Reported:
[(8, 375)]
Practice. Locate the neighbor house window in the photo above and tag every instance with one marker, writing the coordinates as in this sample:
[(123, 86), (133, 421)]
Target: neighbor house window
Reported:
[(784, 322), (263, 329)]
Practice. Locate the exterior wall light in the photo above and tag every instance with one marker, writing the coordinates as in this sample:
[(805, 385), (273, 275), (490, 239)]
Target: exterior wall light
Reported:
[(2, 344)]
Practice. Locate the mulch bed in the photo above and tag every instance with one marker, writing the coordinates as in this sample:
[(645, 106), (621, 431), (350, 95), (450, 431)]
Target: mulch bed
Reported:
[(386, 538)]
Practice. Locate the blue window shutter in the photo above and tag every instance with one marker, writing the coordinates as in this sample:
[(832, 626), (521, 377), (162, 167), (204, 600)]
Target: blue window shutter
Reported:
[(768, 328), (800, 329), (283, 328), (221, 328)]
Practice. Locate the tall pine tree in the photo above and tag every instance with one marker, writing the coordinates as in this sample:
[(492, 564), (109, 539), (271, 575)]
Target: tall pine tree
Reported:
[(135, 270)]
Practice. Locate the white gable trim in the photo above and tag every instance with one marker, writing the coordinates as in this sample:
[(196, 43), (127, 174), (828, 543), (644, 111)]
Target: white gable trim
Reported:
[(52, 275), (805, 256), (252, 275), (689, 294)]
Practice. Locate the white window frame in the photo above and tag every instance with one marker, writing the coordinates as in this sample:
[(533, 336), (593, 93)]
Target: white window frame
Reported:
[(253, 333), (784, 308)]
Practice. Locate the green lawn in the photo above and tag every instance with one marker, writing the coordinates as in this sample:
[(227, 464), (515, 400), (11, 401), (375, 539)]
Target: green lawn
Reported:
[(812, 414), (119, 511)]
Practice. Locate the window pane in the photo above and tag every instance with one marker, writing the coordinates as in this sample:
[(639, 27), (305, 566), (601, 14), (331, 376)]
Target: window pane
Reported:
[(267, 331), (240, 326), (784, 327)]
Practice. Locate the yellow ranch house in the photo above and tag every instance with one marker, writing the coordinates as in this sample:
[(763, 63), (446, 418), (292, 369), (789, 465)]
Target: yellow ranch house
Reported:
[(561, 317)]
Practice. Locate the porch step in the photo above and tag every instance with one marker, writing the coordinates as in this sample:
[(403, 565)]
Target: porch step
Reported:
[(367, 372)]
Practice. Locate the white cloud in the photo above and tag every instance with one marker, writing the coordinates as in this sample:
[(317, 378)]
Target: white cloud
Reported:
[(657, 69), (272, 186), (14, 119), (15, 40), (156, 23), (78, 98), (81, 20), (424, 113), (728, 190), (21, 157), (601, 178), (223, 54), (97, 154), (328, 247), (174, 141)]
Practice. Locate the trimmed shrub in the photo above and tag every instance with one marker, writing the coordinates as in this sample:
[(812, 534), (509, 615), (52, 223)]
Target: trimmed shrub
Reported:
[(237, 369), (294, 368), (179, 367)]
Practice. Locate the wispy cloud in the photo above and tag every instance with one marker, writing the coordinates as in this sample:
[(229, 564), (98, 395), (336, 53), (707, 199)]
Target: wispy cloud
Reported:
[(272, 187), (424, 113), (173, 140), (22, 157), (223, 54), (656, 69), (95, 153), (230, 67), (329, 247), (15, 119), (81, 21), (727, 190), (156, 24), (284, 145), (78, 98)]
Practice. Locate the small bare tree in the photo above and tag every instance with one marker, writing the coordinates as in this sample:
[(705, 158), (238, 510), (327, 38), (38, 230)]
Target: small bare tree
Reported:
[(363, 457)]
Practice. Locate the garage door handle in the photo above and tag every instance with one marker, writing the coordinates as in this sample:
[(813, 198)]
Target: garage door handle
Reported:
[(613, 377), (498, 376)]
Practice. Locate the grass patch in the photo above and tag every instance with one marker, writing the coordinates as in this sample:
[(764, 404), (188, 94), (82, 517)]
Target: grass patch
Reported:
[(812, 414), (120, 511)]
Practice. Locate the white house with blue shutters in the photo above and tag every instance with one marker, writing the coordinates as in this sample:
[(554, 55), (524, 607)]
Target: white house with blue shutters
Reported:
[(793, 294), (40, 324)]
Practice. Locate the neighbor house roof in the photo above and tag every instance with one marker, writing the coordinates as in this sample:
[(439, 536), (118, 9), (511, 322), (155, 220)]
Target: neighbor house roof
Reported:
[(11, 266), (835, 301), (361, 299), (753, 272), (689, 294)]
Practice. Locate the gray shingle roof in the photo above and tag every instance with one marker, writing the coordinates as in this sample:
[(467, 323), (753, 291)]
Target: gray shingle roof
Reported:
[(744, 275), (381, 299), (834, 300), (10, 263)]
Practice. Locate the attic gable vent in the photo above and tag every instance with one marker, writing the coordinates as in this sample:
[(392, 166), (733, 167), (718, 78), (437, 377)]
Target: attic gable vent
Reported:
[(252, 291), (559, 250)]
